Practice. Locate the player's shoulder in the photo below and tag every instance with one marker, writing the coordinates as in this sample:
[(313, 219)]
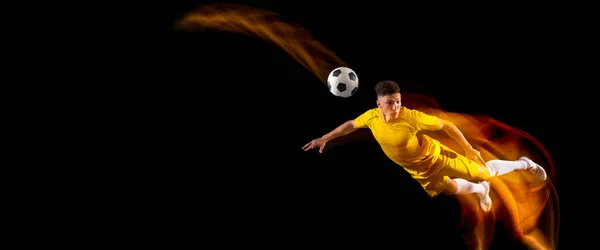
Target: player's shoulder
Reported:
[(369, 114), (374, 112), (408, 111)]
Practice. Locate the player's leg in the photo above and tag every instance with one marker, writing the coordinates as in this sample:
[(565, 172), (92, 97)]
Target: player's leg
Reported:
[(456, 165), (501, 167), (464, 176), (459, 186), (437, 184)]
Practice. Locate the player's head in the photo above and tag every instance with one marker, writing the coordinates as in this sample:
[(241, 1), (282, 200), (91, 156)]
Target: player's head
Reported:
[(388, 97)]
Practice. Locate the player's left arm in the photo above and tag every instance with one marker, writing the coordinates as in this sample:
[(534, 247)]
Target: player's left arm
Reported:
[(430, 122), (458, 136), (454, 133)]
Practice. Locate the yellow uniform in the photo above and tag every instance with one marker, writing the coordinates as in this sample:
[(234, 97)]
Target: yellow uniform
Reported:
[(424, 158)]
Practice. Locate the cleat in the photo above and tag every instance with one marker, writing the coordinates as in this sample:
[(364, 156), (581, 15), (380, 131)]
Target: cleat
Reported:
[(535, 168), (484, 200)]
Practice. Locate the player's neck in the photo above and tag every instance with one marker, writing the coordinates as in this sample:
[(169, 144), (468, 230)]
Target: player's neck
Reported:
[(390, 117)]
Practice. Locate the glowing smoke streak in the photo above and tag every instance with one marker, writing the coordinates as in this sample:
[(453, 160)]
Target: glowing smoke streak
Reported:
[(528, 207), (293, 39)]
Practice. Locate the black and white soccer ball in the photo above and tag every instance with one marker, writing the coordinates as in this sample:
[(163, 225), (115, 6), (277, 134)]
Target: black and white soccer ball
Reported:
[(342, 82)]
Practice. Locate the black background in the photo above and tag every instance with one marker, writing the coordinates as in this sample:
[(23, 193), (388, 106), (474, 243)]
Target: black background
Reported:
[(221, 120)]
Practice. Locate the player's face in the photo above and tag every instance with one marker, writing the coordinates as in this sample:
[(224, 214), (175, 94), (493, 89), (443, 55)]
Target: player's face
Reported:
[(389, 104)]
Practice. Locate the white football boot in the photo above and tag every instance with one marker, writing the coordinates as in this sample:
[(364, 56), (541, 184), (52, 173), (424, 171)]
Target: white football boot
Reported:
[(484, 200), (535, 168)]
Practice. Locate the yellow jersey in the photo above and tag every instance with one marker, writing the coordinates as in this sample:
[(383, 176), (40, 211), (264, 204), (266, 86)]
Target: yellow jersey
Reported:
[(399, 140)]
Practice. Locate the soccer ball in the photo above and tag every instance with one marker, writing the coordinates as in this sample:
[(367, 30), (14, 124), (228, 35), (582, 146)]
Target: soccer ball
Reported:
[(342, 82)]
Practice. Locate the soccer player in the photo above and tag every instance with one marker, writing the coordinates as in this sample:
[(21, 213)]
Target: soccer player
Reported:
[(435, 166)]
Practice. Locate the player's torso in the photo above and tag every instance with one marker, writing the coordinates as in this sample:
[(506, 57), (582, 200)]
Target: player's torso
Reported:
[(400, 142), (398, 135)]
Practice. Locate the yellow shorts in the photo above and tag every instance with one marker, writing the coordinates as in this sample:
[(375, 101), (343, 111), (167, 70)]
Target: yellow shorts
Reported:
[(452, 165)]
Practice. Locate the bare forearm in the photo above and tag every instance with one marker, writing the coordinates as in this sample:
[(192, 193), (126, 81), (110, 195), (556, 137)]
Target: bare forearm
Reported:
[(344, 129)]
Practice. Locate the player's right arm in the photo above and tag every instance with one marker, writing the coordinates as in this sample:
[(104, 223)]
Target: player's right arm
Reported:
[(344, 129)]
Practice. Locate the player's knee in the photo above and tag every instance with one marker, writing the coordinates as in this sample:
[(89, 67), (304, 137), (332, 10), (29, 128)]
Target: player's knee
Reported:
[(483, 174)]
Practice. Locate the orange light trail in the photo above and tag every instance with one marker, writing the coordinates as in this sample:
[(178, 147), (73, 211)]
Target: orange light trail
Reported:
[(528, 207), (293, 39)]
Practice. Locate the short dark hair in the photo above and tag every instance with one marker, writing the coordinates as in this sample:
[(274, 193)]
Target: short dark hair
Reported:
[(386, 87)]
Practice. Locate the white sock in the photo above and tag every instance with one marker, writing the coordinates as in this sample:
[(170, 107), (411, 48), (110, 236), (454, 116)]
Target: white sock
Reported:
[(505, 167), (467, 187)]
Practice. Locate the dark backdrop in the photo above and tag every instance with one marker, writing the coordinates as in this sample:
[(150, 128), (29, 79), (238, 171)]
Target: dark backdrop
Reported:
[(224, 116)]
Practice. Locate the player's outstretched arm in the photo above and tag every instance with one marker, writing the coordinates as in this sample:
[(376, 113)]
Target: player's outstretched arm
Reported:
[(344, 129), (458, 136)]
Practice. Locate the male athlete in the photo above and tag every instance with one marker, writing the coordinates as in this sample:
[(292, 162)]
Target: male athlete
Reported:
[(436, 167)]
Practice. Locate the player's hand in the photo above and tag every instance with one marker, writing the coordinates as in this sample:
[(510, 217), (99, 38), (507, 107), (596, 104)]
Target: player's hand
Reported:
[(475, 155), (316, 143)]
